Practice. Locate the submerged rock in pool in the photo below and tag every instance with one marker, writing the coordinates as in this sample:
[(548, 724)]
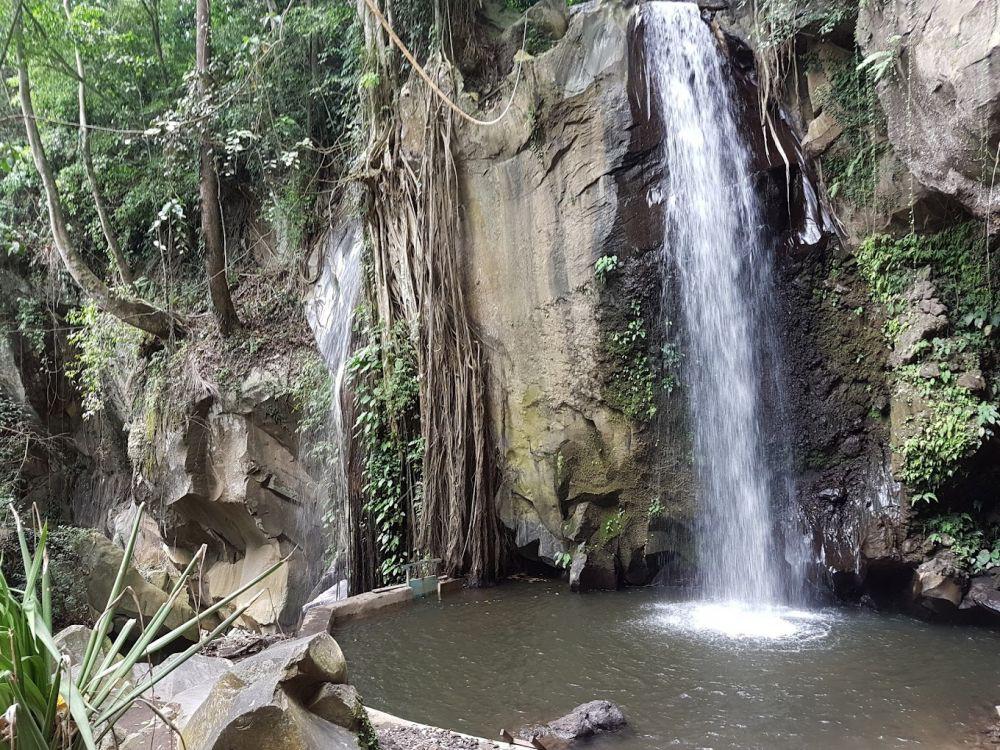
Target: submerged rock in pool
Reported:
[(585, 720)]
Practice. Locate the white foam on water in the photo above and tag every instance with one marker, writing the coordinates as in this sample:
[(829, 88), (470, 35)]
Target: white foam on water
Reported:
[(737, 621)]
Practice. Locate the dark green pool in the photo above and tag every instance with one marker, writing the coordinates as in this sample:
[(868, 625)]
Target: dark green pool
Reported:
[(686, 677)]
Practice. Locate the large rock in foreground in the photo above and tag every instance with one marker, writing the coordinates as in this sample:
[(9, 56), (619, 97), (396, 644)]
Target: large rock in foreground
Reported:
[(262, 702)]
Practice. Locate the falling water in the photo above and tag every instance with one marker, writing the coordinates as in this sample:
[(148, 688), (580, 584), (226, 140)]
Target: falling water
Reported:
[(722, 262), (330, 315)]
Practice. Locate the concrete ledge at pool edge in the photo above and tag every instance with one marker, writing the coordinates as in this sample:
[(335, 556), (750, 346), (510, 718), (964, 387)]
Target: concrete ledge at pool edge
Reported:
[(319, 619), (382, 719)]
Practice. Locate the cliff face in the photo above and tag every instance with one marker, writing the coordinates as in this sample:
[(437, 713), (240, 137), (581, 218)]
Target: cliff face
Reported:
[(566, 182), (561, 184), (560, 238), (890, 361), (941, 93)]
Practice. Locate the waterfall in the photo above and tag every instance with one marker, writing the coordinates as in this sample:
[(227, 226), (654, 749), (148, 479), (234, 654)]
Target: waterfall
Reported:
[(721, 256), (330, 314)]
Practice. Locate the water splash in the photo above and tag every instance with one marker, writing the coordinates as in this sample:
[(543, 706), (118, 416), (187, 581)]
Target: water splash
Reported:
[(738, 621), (331, 314), (723, 266)]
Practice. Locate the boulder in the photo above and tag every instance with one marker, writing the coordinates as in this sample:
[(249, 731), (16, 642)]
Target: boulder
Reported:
[(584, 721), (185, 687), (938, 583), (338, 704), (984, 594), (594, 569), (925, 317), (299, 666), (224, 469), (823, 131), (261, 703), (917, 327), (99, 562), (72, 642), (549, 17), (238, 715), (973, 381), (141, 729)]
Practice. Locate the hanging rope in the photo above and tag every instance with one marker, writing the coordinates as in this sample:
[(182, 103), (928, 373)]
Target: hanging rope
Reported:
[(430, 82)]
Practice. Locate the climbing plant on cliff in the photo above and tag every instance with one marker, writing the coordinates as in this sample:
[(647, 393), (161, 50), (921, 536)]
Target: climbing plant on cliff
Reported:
[(386, 392), (948, 344), (412, 221)]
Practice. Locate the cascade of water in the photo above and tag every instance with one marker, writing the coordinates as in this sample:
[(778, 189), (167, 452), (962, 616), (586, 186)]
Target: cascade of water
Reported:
[(714, 240), (330, 315)]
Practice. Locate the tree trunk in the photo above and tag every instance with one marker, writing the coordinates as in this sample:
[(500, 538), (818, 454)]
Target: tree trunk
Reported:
[(152, 8), (88, 164), (211, 211), (134, 312)]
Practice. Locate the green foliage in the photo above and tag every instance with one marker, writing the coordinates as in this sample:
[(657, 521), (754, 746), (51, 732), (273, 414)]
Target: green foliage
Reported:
[(850, 170), (16, 439), (956, 256), (632, 387), (605, 265), (383, 375), (69, 598), (611, 528), (562, 560), (283, 118), (367, 736), (31, 324), (776, 23), (880, 62), (976, 546), (670, 359), (312, 397), (955, 422), (47, 706), (102, 345), (953, 427), (656, 508)]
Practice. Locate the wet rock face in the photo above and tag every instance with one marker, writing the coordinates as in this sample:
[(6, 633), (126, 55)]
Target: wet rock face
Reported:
[(942, 93), (838, 407)]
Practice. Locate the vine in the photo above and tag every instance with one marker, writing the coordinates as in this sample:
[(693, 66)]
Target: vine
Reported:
[(955, 421), (851, 172), (102, 343), (383, 375)]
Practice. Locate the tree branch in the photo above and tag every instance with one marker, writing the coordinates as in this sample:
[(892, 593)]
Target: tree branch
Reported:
[(134, 312), (88, 164)]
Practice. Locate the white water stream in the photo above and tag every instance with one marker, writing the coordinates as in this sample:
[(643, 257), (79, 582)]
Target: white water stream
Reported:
[(715, 241), (331, 316)]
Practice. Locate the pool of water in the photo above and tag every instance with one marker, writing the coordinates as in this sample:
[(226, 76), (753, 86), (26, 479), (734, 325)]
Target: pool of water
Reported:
[(686, 675)]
